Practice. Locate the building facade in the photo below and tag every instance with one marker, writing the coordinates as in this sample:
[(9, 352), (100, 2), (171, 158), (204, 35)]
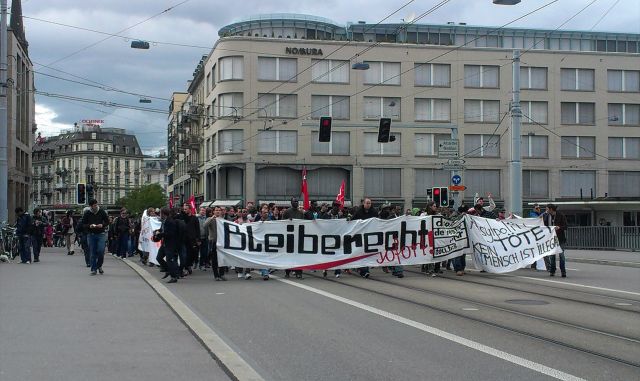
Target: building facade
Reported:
[(107, 158), (20, 114), (154, 170), (255, 101)]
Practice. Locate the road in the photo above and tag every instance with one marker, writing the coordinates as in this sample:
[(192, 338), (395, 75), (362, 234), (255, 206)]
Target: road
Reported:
[(524, 325)]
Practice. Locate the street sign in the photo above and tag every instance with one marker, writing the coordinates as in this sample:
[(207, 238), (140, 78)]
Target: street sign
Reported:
[(456, 180), (449, 167), (457, 188), (448, 149), (455, 161)]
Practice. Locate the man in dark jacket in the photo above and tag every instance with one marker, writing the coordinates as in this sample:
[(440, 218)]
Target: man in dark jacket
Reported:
[(365, 212), (24, 225), (293, 213), (554, 218), (191, 236), (94, 223), (122, 226), (37, 233), (171, 234)]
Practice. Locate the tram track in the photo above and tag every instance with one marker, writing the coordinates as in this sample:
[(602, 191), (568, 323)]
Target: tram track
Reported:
[(496, 324)]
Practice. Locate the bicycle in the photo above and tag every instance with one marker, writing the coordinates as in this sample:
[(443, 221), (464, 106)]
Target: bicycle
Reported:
[(9, 247)]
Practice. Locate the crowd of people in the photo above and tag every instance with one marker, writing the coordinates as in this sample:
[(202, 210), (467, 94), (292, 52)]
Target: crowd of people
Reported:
[(189, 237)]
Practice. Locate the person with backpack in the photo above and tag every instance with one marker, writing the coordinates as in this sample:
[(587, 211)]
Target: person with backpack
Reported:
[(24, 226)]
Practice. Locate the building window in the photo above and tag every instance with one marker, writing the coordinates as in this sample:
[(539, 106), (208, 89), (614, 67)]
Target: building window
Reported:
[(429, 178), (577, 113), (577, 79), (578, 147), (623, 80), (89, 146), (335, 106), (482, 145), (231, 68), (533, 146), (373, 147), (624, 184), (207, 83), (534, 112), (432, 110), (624, 114), (117, 181), (535, 184), (230, 105), (382, 182), (481, 76), (277, 69), (427, 144), (277, 105), (330, 71), (481, 111), (278, 142), (624, 148), (577, 183), (436, 75), (230, 141), (483, 181), (207, 153), (339, 144), (382, 73), (533, 78), (378, 107)]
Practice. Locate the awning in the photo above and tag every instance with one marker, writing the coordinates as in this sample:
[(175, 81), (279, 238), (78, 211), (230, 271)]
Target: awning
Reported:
[(287, 203), (226, 203), (206, 204)]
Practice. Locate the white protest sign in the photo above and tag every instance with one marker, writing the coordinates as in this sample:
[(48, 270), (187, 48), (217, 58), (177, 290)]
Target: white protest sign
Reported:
[(147, 226), (511, 244)]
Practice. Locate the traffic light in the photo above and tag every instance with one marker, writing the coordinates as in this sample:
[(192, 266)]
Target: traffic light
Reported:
[(324, 135), (81, 194), (436, 196), (90, 192), (444, 197), (384, 131), (430, 193)]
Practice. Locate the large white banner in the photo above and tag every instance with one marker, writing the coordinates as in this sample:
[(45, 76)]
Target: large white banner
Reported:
[(407, 240), (147, 226)]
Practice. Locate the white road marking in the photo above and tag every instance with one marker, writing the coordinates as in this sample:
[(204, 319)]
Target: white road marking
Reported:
[(578, 285), (470, 309), (623, 304), (219, 293), (537, 367)]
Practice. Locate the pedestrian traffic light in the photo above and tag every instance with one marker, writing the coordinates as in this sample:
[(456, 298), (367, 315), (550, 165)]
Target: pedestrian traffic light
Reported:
[(430, 193), (81, 194), (444, 197), (324, 135), (90, 192), (384, 131), (436, 196)]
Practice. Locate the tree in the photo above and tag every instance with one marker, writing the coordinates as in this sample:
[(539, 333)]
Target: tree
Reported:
[(147, 196)]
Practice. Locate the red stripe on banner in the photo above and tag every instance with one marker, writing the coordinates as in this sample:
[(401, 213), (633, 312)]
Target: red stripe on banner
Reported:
[(328, 265)]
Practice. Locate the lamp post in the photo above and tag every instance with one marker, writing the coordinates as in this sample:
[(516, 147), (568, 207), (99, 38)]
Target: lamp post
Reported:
[(4, 169), (515, 165)]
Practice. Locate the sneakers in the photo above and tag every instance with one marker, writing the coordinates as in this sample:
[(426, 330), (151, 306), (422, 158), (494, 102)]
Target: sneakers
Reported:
[(173, 280), (366, 276), (564, 275), (324, 274), (298, 276), (458, 273), (217, 279), (93, 273), (400, 275), (433, 275), (338, 275), (100, 270), (247, 276)]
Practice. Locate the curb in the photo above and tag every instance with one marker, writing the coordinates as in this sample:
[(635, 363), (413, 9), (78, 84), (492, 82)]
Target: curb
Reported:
[(229, 360), (604, 262)]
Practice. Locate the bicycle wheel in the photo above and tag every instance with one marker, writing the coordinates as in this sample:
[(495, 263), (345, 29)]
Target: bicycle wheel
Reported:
[(14, 248)]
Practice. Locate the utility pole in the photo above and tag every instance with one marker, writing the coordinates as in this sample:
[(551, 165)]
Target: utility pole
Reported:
[(4, 169), (515, 165)]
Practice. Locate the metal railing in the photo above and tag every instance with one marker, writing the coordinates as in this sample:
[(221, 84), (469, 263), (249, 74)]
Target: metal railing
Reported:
[(604, 237)]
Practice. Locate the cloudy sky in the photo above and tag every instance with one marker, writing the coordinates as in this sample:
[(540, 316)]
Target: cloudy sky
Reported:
[(104, 64)]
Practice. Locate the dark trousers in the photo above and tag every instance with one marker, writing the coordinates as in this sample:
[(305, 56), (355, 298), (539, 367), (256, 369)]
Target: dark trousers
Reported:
[(213, 254), (552, 262), (36, 243), (160, 257), (459, 263), (96, 247), (363, 271), (204, 253), (123, 245), (24, 247), (191, 256), (171, 262), (297, 272), (85, 249)]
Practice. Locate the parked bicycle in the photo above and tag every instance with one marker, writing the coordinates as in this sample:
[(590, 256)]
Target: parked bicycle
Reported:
[(8, 243)]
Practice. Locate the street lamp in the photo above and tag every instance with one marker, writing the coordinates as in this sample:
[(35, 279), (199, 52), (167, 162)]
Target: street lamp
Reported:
[(139, 44), (360, 66), (506, 2)]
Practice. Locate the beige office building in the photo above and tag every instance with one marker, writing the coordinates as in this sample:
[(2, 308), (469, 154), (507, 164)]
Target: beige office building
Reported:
[(249, 121)]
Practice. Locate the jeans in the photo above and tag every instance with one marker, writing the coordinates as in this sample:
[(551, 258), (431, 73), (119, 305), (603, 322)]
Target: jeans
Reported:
[(96, 243), (123, 245), (552, 262), (36, 243), (24, 247), (459, 263), (204, 252)]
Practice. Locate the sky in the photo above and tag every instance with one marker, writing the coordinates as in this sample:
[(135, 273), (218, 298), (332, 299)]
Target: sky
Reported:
[(103, 64)]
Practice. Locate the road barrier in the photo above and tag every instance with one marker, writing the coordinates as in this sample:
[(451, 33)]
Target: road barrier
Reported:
[(604, 237)]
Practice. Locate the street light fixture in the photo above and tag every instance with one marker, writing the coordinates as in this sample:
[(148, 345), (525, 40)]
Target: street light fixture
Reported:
[(139, 44), (506, 2), (360, 66)]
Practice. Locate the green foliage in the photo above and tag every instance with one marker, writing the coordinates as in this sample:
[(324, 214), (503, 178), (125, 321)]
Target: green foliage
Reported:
[(139, 199)]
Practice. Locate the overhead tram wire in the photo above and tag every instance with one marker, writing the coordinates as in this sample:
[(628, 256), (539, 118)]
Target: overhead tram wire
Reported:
[(406, 71), (99, 102), (123, 30), (424, 14)]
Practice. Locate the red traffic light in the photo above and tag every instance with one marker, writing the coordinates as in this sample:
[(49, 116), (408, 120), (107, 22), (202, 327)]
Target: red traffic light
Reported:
[(436, 191), (325, 122)]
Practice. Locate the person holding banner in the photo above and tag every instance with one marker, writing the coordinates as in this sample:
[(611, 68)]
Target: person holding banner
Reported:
[(554, 218), (212, 234), (365, 212), (171, 235), (293, 213)]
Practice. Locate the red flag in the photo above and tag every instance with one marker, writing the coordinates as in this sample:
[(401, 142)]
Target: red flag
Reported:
[(340, 196), (171, 202), (305, 191), (192, 204)]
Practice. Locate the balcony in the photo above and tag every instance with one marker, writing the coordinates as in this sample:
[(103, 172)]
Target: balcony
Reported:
[(90, 170), (46, 176), (46, 192), (62, 172), (193, 170)]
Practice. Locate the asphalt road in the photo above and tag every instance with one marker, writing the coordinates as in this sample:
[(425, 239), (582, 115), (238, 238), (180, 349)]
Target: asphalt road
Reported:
[(61, 324)]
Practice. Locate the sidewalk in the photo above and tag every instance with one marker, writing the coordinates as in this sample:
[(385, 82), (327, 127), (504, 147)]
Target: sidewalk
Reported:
[(59, 323), (602, 257)]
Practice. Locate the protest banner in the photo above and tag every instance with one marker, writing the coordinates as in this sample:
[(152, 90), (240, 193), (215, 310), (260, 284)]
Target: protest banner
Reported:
[(147, 226)]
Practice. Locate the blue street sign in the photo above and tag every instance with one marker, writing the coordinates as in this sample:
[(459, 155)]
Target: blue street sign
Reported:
[(456, 180)]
